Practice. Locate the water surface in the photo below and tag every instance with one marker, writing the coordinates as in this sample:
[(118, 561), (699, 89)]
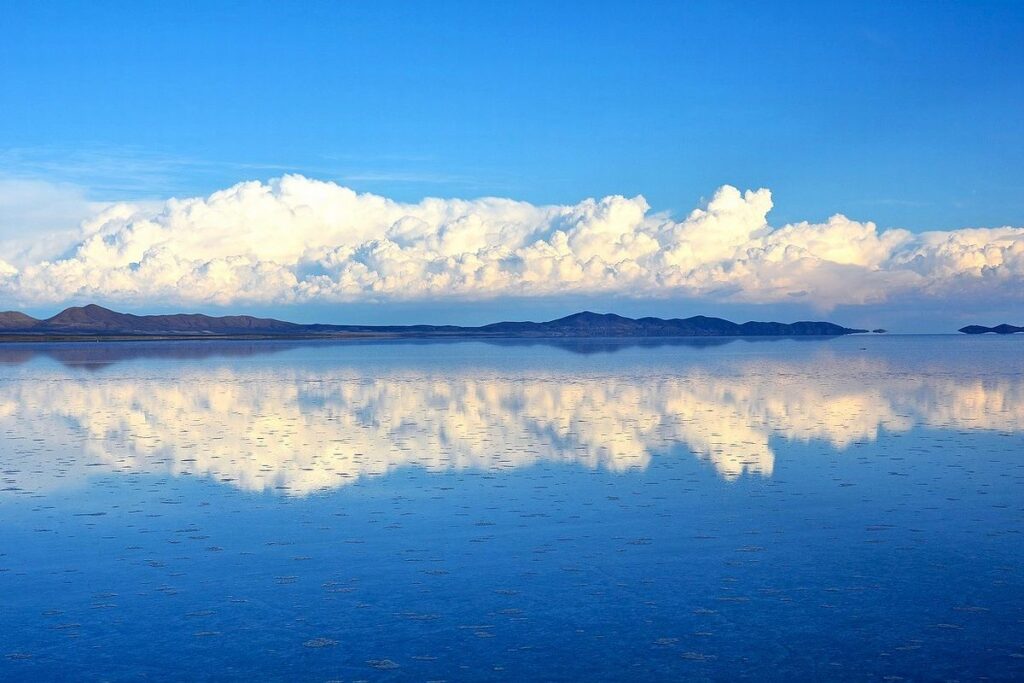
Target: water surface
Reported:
[(846, 508)]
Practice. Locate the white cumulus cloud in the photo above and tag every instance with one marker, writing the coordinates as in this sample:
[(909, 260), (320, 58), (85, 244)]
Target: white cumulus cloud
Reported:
[(295, 239)]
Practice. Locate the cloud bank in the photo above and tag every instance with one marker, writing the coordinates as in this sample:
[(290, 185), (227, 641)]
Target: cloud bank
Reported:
[(294, 239)]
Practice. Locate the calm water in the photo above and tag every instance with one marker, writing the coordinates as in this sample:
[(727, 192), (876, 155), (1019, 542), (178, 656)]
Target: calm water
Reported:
[(845, 509)]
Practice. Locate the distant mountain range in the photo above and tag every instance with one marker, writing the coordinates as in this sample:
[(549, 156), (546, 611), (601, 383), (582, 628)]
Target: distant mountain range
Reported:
[(998, 329), (96, 321)]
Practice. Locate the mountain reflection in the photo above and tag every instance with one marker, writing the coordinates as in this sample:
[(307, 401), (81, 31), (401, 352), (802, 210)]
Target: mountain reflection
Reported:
[(87, 355), (280, 427)]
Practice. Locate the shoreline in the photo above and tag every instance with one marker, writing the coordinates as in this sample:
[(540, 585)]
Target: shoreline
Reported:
[(358, 336)]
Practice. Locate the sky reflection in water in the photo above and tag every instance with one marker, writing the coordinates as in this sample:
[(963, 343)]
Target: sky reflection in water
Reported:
[(664, 498)]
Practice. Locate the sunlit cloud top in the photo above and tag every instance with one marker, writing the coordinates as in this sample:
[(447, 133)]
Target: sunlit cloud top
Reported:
[(295, 239)]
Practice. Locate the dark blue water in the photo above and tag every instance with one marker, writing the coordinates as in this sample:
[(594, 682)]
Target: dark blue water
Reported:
[(843, 509)]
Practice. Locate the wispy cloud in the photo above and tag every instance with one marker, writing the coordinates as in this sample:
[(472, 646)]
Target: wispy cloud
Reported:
[(111, 173), (105, 173), (889, 201)]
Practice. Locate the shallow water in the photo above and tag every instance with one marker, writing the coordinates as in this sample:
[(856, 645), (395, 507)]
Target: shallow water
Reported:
[(793, 509)]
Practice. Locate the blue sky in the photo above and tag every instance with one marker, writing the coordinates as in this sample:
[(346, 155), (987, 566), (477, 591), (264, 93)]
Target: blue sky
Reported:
[(907, 114)]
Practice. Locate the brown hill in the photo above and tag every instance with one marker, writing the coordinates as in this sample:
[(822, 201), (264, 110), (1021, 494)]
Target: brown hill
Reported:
[(16, 320), (93, 318)]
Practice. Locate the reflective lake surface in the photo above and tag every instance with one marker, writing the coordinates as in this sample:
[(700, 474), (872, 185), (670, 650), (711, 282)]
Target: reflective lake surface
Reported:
[(789, 509)]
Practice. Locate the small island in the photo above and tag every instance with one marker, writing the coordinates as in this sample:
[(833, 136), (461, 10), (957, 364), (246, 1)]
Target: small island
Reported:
[(96, 322), (998, 329)]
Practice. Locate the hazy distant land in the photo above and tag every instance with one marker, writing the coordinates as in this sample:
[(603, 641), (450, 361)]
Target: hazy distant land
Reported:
[(998, 329), (94, 321)]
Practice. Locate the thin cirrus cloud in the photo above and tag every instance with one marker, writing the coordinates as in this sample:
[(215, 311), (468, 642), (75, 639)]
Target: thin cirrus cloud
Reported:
[(295, 239)]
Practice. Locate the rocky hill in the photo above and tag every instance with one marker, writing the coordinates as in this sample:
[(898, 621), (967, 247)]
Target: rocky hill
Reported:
[(96, 321)]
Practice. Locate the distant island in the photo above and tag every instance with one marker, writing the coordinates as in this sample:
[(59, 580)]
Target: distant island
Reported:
[(998, 329), (94, 321)]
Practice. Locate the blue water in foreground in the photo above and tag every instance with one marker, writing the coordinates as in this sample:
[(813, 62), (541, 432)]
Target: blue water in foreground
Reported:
[(780, 509)]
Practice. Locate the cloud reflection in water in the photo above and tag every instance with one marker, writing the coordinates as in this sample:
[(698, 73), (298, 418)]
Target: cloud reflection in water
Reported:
[(289, 428)]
